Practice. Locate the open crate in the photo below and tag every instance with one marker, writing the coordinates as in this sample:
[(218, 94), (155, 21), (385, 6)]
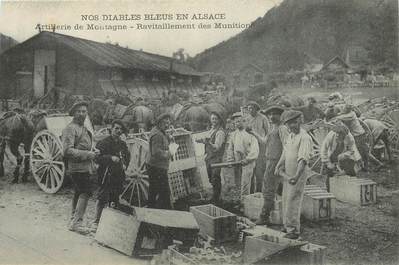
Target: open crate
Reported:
[(215, 222)]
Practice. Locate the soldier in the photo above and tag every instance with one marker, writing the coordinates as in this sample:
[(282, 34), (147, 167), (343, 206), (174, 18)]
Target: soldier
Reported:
[(158, 164), (294, 160), (274, 147), (349, 118), (113, 159), (77, 143), (339, 141), (243, 147), (258, 123), (380, 133), (214, 149)]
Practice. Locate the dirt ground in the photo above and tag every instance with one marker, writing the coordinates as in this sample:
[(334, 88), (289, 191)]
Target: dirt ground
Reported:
[(358, 235)]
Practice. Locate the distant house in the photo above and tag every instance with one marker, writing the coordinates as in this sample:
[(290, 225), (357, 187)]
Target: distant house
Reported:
[(84, 67), (250, 74), (336, 63), (335, 70)]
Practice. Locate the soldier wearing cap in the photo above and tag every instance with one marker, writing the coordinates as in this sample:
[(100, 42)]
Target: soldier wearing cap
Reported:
[(349, 118), (77, 143), (258, 123), (214, 150), (158, 163), (273, 149), (242, 147), (113, 159), (337, 142), (292, 166)]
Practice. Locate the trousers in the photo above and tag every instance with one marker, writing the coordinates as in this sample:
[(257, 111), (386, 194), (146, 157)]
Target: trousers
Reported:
[(158, 193), (270, 185), (292, 203)]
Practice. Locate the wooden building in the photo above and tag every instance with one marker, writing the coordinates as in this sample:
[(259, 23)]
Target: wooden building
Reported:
[(83, 67)]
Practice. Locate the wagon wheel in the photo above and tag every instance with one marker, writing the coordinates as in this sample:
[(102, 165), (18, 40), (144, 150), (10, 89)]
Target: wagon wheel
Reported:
[(46, 161), (135, 192), (318, 132), (391, 119)]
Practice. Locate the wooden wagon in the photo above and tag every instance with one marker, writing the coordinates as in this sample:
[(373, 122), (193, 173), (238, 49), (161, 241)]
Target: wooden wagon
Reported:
[(46, 153)]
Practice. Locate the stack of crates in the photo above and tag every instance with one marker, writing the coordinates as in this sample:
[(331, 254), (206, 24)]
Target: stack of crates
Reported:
[(182, 176), (318, 204), (354, 190)]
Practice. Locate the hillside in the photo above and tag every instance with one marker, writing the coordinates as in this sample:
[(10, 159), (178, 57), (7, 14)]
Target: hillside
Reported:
[(6, 42), (309, 31)]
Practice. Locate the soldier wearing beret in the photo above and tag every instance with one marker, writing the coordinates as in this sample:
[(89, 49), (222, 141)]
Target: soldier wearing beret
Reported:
[(77, 143)]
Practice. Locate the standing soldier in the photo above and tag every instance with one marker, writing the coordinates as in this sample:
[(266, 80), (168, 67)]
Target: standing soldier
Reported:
[(259, 124), (113, 159), (274, 147), (158, 164), (77, 144), (243, 147), (214, 149), (294, 160)]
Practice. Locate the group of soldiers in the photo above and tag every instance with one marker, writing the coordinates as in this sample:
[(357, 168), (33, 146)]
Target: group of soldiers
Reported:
[(270, 146), (273, 148)]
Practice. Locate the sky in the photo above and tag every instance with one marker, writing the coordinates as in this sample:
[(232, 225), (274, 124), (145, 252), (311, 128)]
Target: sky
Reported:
[(18, 20)]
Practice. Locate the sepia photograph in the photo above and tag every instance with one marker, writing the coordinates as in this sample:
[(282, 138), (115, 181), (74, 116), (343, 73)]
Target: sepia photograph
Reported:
[(170, 132)]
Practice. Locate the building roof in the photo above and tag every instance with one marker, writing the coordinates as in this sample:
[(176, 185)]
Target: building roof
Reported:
[(336, 58), (251, 65), (110, 55)]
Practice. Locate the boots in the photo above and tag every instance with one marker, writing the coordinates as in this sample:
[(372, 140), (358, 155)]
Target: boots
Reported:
[(76, 223), (15, 175), (99, 210), (74, 203)]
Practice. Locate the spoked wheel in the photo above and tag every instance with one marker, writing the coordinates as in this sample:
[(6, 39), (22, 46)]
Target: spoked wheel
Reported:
[(46, 161), (391, 119), (318, 132), (135, 192)]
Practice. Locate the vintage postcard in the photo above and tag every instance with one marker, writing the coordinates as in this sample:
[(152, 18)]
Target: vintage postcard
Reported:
[(199, 132)]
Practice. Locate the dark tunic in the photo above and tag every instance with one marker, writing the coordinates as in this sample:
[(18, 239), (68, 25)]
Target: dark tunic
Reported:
[(115, 174)]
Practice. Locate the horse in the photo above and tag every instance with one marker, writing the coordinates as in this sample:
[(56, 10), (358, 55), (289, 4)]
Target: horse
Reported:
[(194, 118), (16, 128), (138, 118)]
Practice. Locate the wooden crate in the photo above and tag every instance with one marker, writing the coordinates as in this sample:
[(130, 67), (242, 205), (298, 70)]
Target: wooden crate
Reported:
[(307, 254), (318, 204), (318, 207), (253, 205), (354, 190), (215, 222), (118, 231)]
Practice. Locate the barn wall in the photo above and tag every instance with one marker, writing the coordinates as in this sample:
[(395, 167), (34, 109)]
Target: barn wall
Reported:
[(76, 74), (9, 80)]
